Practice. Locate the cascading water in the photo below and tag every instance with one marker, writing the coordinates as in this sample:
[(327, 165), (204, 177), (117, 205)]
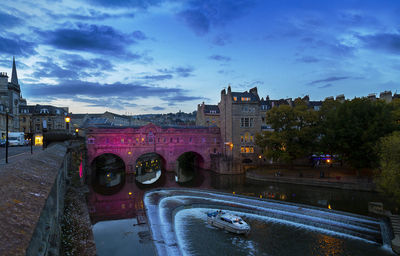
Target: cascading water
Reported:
[(162, 207)]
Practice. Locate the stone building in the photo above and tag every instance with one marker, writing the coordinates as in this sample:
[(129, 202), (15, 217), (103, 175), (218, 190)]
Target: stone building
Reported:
[(207, 115), (240, 120), (42, 118), (10, 101)]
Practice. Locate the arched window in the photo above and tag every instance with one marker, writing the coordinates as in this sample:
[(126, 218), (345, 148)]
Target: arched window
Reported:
[(247, 137)]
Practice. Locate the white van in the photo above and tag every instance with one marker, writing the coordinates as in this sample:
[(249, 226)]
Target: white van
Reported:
[(16, 139)]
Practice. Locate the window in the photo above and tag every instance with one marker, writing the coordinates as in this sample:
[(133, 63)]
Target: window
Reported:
[(246, 122), (24, 119), (247, 150), (44, 111), (245, 99), (90, 141), (235, 98)]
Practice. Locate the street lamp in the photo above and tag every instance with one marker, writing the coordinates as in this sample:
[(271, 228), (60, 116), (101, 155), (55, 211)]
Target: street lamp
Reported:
[(7, 135), (31, 134), (67, 120)]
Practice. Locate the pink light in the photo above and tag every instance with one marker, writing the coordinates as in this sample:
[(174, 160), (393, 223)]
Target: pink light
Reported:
[(80, 170)]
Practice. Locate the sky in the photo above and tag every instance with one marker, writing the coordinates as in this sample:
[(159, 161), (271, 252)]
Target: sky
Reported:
[(161, 56)]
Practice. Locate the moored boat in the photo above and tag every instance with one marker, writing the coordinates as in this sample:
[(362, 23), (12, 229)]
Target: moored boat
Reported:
[(228, 222)]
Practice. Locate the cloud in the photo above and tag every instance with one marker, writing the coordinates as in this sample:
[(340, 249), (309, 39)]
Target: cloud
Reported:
[(329, 79), (202, 15), (179, 71), (8, 64), (87, 14), (16, 46), (196, 20), (141, 4), (51, 70), (157, 77), (75, 61), (139, 35), (110, 102), (325, 86), (178, 98), (157, 108), (357, 18), (98, 94), (220, 58), (91, 38), (8, 21), (71, 66), (250, 84), (308, 59), (388, 42), (222, 40)]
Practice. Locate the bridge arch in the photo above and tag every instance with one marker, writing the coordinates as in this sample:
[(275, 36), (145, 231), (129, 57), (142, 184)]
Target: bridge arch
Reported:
[(108, 173), (188, 165), (149, 167)]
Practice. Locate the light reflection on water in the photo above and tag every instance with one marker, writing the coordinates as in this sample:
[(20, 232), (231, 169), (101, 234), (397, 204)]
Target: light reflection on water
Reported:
[(128, 203), (266, 238)]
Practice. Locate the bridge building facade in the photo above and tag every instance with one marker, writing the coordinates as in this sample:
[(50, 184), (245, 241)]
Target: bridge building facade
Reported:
[(130, 143)]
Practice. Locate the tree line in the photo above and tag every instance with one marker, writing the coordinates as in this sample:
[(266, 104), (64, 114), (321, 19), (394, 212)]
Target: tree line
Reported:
[(362, 133)]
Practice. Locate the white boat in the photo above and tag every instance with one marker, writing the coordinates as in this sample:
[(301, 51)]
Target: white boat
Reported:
[(228, 222)]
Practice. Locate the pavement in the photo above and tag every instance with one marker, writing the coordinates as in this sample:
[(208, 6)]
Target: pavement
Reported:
[(17, 154), (336, 177)]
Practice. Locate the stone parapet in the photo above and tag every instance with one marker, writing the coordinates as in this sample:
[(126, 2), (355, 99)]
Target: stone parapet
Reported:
[(32, 204)]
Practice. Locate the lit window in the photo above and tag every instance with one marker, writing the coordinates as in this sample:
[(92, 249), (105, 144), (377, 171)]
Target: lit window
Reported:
[(246, 137), (235, 98), (242, 150), (241, 138)]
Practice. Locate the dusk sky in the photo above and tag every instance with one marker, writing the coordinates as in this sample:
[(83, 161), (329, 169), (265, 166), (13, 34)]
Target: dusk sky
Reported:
[(160, 56)]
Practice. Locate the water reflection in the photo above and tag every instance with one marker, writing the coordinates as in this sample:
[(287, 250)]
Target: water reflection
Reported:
[(108, 174), (127, 203), (149, 168)]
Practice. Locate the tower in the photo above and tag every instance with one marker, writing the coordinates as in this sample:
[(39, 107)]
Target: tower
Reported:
[(14, 77)]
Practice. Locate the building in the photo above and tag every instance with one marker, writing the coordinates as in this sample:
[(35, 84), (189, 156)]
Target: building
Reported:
[(207, 115), (10, 101), (240, 120), (42, 118)]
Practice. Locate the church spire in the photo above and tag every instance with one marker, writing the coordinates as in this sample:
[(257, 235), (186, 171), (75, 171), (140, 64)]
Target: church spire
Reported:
[(14, 77)]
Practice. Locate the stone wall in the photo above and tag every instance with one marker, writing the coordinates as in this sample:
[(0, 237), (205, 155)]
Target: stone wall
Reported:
[(32, 203)]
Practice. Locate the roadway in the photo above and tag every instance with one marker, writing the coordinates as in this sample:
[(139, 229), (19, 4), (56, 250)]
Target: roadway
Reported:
[(16, 154)]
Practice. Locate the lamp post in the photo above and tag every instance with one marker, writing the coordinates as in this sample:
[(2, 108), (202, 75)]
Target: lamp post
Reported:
[(7, 135), (67, 120), (31, 135)]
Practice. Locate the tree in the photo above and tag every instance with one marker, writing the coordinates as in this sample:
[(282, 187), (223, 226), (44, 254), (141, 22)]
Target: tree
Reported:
[(353, 128), (293, 135), (389, 160)]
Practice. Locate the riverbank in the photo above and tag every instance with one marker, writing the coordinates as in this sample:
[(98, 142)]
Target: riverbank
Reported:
[(77, 235), (322, 177)]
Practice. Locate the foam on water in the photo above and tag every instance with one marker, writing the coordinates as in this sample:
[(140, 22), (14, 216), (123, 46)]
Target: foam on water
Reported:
[(170, 237)]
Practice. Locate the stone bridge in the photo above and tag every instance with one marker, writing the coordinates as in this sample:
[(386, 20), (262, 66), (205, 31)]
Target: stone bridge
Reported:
[(130, 143)]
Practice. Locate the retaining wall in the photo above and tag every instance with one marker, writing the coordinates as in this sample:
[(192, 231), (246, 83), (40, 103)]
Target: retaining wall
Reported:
[(32, 203)]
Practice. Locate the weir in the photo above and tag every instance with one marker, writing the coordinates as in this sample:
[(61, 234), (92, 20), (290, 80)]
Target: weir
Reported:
[(163, 205)]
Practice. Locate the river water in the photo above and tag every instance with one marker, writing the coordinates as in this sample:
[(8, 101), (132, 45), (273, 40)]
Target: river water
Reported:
[(121, 226)]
